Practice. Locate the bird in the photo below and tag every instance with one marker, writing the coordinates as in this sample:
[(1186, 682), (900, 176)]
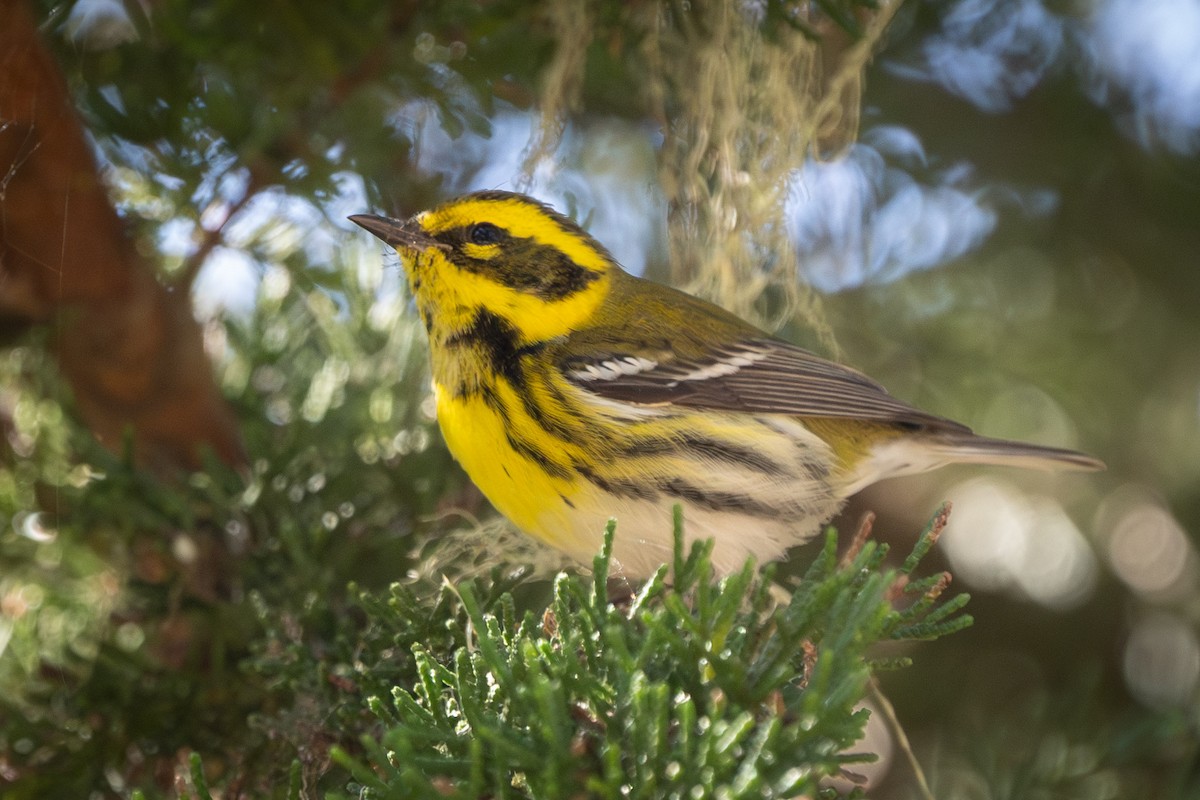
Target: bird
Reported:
[(573, 392)]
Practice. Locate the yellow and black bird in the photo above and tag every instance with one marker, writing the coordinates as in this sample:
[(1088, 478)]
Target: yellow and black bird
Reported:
[(571, 392)]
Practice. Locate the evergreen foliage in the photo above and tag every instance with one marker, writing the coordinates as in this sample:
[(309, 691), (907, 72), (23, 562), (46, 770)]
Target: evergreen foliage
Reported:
[(694, 688), (206, 633), (223, 635)]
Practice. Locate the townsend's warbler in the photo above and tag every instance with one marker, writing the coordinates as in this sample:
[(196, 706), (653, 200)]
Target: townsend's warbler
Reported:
[(571, 392)]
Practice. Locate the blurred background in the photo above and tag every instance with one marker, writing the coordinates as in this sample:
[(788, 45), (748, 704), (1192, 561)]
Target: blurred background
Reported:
[(997, 217)]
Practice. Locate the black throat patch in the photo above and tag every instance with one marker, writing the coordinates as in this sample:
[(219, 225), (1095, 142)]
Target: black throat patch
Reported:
[(497, 339)]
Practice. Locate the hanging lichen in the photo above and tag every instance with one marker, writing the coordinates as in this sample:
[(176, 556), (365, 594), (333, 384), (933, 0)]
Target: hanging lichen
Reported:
[(745, 92)]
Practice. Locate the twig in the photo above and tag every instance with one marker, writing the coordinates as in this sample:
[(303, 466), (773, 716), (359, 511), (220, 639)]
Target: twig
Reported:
[(213, 237), (888, 711), (859, 540)]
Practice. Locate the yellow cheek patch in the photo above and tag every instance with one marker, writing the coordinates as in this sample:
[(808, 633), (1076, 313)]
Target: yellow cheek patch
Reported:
[(457, 293), (483, 252)]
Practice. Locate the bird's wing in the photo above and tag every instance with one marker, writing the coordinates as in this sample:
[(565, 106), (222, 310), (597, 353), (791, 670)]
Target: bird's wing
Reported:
[(757, 375)]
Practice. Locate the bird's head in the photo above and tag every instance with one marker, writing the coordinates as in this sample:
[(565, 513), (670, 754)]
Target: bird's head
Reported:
[(502, 254)]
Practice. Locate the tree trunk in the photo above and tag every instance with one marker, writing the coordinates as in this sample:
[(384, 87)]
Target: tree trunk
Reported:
[(129, 346)]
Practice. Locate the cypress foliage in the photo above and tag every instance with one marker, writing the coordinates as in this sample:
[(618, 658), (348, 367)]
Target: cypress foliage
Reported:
[(695, 687)]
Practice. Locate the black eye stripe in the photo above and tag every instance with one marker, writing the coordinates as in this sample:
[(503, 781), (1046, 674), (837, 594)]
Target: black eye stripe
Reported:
[(485, 233), (517, 262)]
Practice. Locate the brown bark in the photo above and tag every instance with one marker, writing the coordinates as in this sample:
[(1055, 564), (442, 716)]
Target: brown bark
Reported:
[(129, 346)]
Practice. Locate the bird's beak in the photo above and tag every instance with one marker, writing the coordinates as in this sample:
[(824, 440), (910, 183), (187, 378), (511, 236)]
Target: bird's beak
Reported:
[(407, 235)]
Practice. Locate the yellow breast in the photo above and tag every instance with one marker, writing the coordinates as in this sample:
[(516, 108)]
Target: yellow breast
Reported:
[(482, 441)]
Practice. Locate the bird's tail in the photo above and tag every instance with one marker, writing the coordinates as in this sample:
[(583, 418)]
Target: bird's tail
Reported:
[(968, 448), (911, 455)]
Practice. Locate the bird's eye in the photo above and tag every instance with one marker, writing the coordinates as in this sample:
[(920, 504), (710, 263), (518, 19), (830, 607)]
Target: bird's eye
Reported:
[(485, 233)]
